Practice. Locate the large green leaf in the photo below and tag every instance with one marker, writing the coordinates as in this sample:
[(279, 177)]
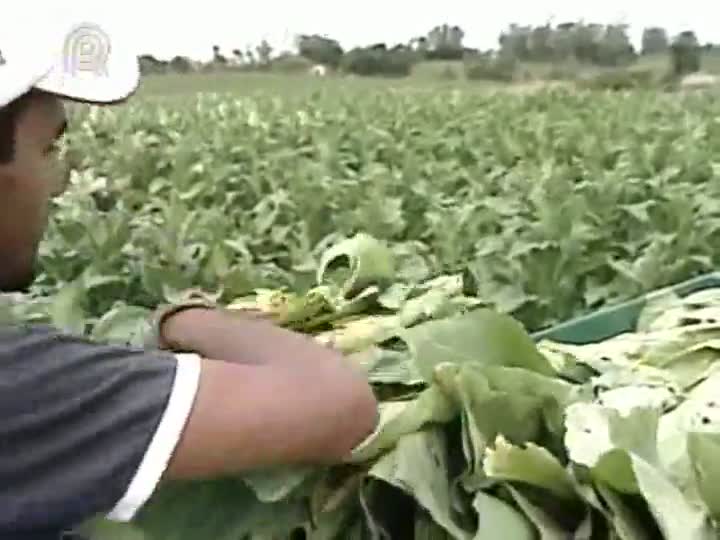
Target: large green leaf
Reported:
[(482, 336)]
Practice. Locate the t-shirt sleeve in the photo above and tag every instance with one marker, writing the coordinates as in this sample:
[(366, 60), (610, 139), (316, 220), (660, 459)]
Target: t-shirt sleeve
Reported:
[(85, 428)]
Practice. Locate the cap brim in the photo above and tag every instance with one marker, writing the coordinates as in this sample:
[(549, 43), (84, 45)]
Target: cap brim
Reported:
[(92, 65)]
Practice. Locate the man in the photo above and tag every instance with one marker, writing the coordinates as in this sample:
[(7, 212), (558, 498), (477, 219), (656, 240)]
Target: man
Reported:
[(87, 428)]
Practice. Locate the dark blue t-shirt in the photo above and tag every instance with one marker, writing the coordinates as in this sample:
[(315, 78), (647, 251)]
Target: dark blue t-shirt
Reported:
[(77, 420)]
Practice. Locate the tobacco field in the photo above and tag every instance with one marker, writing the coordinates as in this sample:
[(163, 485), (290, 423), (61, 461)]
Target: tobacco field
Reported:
[(429, 234), (550, 204)]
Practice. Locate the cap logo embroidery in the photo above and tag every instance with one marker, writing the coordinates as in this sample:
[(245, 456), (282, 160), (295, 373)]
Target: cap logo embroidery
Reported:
[(86, 50)]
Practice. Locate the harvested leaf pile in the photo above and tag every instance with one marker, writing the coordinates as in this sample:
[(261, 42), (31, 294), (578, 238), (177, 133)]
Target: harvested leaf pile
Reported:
[(483, 435)]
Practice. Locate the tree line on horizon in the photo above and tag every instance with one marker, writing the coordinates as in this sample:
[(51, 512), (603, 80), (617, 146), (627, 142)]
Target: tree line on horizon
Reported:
[(579, 43)]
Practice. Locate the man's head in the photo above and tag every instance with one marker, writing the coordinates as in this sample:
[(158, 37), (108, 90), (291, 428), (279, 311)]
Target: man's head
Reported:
[(30, 174), (77, 62)]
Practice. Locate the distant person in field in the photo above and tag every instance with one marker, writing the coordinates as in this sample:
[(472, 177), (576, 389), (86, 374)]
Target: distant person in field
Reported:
[(90, 429)]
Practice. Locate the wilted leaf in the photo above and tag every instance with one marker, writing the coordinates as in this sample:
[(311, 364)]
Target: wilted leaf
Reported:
[(370, 261)]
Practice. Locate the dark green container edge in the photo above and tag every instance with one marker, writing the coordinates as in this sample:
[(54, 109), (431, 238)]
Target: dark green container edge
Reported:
[(611, 321)]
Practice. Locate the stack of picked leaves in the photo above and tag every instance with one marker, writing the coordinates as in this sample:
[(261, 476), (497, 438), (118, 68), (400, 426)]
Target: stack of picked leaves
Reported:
[(484, 435)]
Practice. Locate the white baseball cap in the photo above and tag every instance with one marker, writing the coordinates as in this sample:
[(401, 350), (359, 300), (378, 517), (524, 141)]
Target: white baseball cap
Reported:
[(75, 59)]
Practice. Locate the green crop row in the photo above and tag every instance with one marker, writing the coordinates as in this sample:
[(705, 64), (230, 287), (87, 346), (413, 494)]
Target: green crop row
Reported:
[(550, 204)]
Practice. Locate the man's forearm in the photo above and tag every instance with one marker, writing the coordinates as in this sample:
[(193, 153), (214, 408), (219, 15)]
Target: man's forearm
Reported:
[(267, 396), (240, 338)]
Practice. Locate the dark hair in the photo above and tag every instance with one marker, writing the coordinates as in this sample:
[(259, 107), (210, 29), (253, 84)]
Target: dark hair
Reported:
[(8, 121)]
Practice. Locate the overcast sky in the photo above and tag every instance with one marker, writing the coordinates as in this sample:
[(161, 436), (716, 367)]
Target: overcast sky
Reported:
[(169, 27)]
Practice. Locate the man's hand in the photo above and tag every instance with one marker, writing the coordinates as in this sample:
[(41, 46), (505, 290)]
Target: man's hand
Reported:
[(267, 396)]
